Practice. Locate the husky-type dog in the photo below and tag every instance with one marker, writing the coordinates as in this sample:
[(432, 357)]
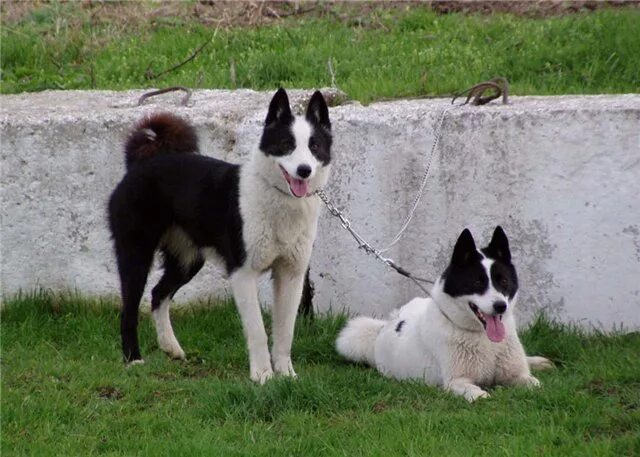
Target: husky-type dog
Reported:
[(252, 218), (462, 338)]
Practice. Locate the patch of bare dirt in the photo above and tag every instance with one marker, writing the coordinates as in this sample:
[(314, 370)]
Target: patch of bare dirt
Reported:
[(255, 13), (109, 393), (527, 8)]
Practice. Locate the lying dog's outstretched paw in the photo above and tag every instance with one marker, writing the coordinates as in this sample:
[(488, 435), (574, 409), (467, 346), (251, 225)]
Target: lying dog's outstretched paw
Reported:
[(473, 395), (465, 388), (539, 363), (134, 363), (528, 381)]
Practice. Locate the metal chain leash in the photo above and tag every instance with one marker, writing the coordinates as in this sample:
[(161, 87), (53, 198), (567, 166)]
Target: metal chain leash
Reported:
[(367, 247), (364, 245), (423, 184)]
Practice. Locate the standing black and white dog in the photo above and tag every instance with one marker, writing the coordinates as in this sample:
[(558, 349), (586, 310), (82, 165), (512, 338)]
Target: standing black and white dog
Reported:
[(252, 218), (462, 338)]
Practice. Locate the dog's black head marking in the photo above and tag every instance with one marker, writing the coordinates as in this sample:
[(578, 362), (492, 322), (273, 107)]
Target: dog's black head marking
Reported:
[(503, 274), (498, 248), (317, 111), (279, 109), (277, 138), (318, 117), (465, 274)]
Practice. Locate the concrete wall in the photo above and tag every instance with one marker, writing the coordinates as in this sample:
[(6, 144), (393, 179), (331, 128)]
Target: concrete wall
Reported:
[(560, 174)]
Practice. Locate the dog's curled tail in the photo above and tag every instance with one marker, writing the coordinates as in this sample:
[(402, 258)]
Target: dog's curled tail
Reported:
[(357, 341), (160, 133)]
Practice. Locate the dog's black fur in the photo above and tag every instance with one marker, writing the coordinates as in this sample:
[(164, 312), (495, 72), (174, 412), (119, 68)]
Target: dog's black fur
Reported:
[(167, 184)]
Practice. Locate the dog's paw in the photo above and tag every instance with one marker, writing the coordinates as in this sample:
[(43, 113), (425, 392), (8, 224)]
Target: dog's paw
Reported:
[(134, 363), (284, 367), (175, 352), (465, 388), (261, 376), (528, 381), (472, 395), (539, 363)]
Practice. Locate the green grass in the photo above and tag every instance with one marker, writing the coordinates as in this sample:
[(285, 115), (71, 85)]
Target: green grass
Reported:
[(394, 54), (66, 392)]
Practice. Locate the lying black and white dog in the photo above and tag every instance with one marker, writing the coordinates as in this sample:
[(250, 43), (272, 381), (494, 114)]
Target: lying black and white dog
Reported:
[(462, 338)]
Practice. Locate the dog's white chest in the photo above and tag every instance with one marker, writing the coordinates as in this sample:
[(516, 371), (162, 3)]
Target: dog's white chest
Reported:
[(474, 357), (279, 233)]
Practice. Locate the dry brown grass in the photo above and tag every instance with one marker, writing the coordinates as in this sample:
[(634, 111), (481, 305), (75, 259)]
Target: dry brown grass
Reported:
[(255, 13)]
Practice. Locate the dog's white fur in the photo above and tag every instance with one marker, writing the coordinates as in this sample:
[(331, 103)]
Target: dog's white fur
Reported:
[(443, 344), (278, 232)]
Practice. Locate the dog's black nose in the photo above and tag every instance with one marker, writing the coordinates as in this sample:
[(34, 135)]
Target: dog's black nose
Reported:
[(303, 171), (499, 307)]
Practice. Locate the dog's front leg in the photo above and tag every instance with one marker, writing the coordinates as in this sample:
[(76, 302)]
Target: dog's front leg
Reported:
[(288, 286), (513, 366), (466, 388), (244, 283)]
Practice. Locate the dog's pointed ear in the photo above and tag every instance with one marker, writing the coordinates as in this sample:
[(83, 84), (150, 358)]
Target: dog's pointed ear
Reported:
[(317, 111), (499, 246), (279, 109), (465, 249)]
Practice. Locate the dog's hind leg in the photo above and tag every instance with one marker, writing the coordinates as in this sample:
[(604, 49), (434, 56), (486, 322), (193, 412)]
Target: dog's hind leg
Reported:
[(287, 293), (134, 262), (175, 276)]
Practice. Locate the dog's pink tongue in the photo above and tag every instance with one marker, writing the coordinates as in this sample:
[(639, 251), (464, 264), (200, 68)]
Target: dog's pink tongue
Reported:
[(299, 187), (495, 328)]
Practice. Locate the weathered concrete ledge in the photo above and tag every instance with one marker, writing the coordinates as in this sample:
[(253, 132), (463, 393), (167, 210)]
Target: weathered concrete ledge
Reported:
[(560, 174)]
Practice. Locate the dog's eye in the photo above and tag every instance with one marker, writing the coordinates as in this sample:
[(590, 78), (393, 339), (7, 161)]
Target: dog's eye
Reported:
[(314, 147), (286, 144), (477, 283), (501, 280)]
